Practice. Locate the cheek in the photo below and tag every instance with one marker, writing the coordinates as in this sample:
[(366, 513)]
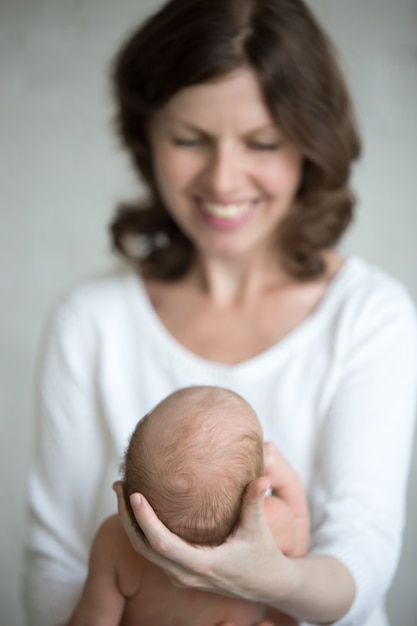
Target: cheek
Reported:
[(174, 170), (164, 168), (286, 177)]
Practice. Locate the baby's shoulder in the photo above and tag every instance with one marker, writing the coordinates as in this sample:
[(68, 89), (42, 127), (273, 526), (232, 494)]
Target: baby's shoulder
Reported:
[(111, 536), (129, 565)]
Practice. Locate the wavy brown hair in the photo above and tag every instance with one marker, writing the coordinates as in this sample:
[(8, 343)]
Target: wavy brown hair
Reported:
[(192, 41)]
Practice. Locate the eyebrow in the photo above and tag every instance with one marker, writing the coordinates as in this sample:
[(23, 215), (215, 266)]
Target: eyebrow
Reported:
[(197, 129)]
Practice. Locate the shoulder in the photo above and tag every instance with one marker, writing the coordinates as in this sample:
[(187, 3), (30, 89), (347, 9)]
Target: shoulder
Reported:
[(112, 539), (94, 293), (111, 531), (374, 319), (94, 303), (374, 279), (370, 297), (112, 546), (91, 314)]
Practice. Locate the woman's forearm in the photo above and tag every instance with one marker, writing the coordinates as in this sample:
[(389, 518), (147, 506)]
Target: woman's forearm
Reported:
[(321, 590)]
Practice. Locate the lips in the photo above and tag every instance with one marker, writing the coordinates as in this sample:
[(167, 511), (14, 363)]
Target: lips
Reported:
[(226, 211), (226, 216)]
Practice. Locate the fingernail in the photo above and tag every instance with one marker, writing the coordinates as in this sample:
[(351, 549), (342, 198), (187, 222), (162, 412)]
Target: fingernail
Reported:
[(135, 500)]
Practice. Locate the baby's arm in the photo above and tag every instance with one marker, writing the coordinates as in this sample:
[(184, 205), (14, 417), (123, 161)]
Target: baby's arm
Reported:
[(287, 513), (101, 602)]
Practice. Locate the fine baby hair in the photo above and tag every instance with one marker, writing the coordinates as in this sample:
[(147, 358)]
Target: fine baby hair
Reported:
[(192, 457)]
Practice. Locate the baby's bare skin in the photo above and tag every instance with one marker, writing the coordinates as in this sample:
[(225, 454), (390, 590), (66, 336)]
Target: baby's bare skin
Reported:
[(125, 589), (138, 593)]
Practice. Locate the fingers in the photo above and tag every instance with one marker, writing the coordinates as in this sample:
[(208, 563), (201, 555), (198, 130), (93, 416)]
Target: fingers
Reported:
[(141, 542), (162, 542), (184, 564), (138, 503), (256, 491), (158, 535), (270, 450), (253, 503)]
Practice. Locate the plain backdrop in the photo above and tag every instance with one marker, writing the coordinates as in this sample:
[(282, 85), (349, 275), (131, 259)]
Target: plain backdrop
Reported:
[(62, 173)]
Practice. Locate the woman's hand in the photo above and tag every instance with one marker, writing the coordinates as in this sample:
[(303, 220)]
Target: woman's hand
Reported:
[(291, 533), (240, 567), (248, 565)]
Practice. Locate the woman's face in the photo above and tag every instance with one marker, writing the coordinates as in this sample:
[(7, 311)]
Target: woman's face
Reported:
[(224, 170)]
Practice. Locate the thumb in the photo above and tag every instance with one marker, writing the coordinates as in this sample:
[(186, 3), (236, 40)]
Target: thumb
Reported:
[(253, 502)]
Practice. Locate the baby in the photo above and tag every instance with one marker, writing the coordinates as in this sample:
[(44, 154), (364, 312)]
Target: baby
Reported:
[(192, 457)]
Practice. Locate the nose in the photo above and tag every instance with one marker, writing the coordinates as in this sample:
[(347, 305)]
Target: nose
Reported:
[(224, 170)]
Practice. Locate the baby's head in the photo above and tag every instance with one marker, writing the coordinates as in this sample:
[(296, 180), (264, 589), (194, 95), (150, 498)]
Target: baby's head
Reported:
[(192, 457)]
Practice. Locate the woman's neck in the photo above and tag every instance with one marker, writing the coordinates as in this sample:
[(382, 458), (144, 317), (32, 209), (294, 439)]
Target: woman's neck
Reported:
[(233, 282), (228, 282)]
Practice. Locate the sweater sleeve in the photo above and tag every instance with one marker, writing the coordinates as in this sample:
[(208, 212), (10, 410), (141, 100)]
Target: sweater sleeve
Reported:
[(359, 494), (68, 470)]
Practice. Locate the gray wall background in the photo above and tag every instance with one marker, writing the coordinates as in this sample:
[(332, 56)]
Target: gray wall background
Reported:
[(61, 174)]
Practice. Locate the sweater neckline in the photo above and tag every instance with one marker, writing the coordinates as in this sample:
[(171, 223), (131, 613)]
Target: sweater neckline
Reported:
[(173, 350)]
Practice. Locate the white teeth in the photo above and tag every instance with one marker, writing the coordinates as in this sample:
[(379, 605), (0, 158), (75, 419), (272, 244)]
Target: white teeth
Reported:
[(227, 211)]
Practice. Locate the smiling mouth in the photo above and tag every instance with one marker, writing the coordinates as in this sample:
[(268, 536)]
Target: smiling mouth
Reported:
[(226, 211)]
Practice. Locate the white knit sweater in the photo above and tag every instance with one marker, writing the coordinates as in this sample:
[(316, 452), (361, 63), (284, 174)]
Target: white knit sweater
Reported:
[(337, 395)]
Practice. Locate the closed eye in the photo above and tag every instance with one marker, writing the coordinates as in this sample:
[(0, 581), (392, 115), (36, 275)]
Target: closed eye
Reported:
[(265, 147), (188, 143)]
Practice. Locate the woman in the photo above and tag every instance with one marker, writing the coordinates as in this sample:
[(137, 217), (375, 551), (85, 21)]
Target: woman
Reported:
[(238, 120)]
